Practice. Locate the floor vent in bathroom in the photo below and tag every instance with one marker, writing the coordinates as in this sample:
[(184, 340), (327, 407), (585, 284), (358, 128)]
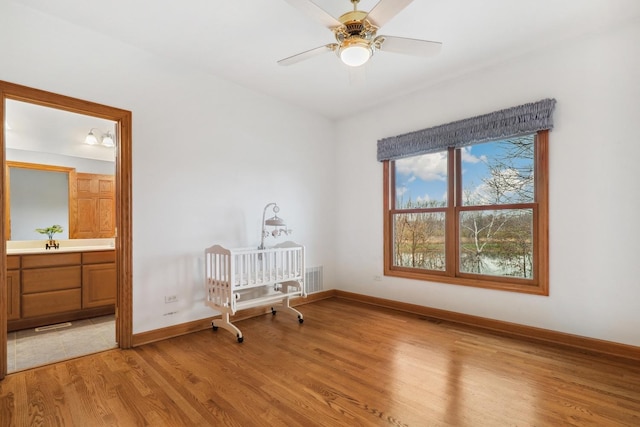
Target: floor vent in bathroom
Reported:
[(313, 279), (52, 327)]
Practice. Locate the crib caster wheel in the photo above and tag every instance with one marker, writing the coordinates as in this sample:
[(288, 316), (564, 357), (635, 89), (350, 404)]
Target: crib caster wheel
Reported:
[(240, 339), (214, 327), (300, 319), (273, 311)]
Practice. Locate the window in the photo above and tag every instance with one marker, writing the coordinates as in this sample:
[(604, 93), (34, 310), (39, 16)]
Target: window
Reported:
[(467, 202), (474, 215)]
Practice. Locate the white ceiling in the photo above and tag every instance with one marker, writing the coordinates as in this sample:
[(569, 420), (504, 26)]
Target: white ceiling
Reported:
[(242, 40)]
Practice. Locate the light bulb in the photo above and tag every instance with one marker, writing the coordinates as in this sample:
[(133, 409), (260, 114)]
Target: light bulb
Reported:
[(91, 139), (107, 141), (356, 53)]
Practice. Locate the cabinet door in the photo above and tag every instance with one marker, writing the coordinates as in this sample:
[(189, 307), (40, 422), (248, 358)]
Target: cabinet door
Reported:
[(98, 285), (13, 295), (94, 207)]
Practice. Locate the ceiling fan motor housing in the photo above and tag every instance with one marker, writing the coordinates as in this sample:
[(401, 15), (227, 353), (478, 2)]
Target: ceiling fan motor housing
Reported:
[(354, 23), (355, 28)]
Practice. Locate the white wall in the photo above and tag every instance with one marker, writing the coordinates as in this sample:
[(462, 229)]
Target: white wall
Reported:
[(207, 156), (594, 190)]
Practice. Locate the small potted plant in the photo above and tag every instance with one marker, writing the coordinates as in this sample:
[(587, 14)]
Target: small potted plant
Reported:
[(50, 231)]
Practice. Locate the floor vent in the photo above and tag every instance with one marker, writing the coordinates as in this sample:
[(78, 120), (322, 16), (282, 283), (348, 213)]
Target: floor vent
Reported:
[(313, 279), (52, 327)]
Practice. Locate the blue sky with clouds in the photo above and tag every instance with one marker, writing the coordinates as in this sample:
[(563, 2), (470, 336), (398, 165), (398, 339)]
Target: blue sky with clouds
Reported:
[(424, 178)]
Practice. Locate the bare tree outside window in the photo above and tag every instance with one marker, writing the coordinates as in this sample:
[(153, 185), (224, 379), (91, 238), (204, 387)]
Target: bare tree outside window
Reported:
[(499, 241)]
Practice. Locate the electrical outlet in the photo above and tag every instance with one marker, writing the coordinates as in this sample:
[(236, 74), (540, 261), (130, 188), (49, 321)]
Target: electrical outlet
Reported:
[(377, 278), (170, 298)]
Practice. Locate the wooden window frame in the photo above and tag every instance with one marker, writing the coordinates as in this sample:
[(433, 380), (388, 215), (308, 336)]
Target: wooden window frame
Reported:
[(538, 284)]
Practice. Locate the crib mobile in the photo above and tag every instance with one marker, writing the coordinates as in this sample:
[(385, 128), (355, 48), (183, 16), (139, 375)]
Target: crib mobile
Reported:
[(245, 278)]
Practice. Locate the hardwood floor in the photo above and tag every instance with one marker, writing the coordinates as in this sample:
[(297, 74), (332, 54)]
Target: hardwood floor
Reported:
[(349, 364)]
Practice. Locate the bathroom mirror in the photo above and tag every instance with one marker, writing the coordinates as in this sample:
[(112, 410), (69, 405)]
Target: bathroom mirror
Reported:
[(38, 196), (45, 154)]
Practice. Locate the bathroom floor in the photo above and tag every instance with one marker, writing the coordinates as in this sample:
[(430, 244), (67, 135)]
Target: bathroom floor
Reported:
[(40, 346)]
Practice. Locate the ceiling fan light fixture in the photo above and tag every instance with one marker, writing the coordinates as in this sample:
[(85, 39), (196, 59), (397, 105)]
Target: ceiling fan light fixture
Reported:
[(355, 53)]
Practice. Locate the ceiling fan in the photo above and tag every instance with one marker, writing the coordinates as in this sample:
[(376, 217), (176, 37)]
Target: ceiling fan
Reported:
[(356, 33)]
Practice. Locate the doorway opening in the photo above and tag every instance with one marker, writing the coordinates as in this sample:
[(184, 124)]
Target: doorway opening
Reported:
[(89, 265)]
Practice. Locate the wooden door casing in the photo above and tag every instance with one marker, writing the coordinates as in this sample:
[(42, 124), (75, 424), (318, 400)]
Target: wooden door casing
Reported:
[(123, 217)]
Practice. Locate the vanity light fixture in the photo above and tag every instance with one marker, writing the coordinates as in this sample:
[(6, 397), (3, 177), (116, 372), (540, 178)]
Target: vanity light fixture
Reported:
[(106, 138)]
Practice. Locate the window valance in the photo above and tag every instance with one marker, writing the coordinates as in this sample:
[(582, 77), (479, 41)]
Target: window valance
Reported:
[(511, 122)]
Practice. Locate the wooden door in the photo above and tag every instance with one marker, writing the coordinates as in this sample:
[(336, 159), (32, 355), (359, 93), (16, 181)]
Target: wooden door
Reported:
[(95, 207)]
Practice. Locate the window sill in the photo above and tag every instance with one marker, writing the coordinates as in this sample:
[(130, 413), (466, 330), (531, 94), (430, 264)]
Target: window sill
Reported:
[(501, 284)]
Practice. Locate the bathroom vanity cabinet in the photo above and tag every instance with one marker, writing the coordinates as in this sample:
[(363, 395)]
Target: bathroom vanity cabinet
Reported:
[(47, 288), (13, 287)]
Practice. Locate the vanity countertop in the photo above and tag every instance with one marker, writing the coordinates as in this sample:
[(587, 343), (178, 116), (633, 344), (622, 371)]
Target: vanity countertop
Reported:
[(73, 245), (42, 250)]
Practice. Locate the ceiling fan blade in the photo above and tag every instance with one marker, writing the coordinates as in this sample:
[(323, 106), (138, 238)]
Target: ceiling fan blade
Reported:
[(308, 54), (407, 46), (385, 10), (315, 12)]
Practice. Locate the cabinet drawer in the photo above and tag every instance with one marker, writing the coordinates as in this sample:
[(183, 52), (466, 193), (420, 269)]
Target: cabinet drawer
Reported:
[(51, 302), (51, 279), (98, 257), (13, 262), (50, 260)]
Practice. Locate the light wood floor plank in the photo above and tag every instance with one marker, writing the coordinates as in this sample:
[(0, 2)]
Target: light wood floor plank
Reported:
[(349, 364)]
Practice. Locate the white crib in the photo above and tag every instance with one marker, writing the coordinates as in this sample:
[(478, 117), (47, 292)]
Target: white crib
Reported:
[(237, 279)]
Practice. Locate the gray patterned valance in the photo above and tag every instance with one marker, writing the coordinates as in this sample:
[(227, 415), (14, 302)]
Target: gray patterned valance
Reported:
[(507, 123)]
